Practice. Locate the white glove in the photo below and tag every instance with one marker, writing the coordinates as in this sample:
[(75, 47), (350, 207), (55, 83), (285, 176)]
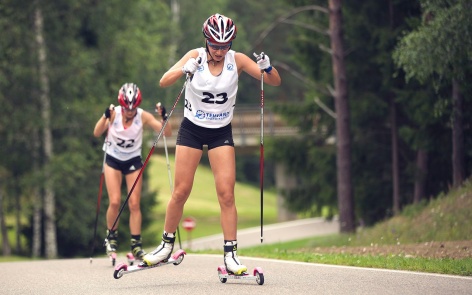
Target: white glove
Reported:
[(263, 62), (190, 66)]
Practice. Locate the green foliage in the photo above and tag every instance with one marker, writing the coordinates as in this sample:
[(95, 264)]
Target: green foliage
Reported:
[(93, 47), (310, 163), (441, 45)]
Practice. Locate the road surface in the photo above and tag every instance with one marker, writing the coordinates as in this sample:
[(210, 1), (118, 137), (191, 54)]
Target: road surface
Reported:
[(197, 274)]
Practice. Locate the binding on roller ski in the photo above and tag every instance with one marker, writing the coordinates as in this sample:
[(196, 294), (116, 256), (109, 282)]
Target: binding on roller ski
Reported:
[(233, 269), (111, 246), (129, 257), (123, 269), (257, 275)]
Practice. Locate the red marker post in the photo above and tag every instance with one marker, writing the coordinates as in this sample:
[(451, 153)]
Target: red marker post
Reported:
[(189, 224)]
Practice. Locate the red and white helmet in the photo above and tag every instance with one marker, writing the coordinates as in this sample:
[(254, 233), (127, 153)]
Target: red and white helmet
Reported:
[(219, 29), (129, 96)]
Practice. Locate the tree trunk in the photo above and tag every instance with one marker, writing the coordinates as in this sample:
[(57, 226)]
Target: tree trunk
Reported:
[(396, 198), (283, 181), (395, 168), (458, 173), (38, 201), (49, 197), (36, 247), (18, 221), (6, 248), (343, 133), (175, 9), (420, 175)]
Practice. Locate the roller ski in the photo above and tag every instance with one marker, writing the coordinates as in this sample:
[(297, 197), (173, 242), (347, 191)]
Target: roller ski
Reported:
[(111, 245), (122, 269), (233, 269), (257, 275)]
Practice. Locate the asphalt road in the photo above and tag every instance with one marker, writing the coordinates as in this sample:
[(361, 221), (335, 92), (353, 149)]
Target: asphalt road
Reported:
[(197, 274), (273, 233)]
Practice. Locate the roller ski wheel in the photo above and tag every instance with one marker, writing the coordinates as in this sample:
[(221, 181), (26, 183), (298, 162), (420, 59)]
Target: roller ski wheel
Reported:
[(224, 275), (112, 256), (123, 269)]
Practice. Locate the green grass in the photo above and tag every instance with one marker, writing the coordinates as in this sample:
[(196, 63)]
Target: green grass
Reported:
[(15, 258), (446, 218), (461, 267), (300, 251), (203, 204)]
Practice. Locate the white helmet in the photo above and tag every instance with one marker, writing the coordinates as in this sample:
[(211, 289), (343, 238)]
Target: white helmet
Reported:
[(219, 29)]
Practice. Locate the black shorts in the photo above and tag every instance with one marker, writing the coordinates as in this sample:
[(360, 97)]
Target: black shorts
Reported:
[(196, 137), (126, 167)]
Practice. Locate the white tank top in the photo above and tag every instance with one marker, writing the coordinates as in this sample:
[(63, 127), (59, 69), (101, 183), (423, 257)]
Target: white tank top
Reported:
[(124, 144), (210, 100)]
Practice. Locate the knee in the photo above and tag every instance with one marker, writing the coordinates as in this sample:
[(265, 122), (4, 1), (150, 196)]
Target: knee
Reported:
[(226, 200), (114, 204), (133, 206), (179, 197)]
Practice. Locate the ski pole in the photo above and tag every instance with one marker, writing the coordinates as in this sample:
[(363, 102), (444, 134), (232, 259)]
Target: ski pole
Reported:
[(170, 179), (150, 153), (261, 152), (100, 189)]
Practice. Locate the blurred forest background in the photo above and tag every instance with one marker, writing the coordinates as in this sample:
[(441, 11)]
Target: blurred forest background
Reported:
[(403, 85)]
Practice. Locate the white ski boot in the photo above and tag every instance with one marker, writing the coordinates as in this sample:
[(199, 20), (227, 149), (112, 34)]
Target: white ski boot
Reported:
[(232, 263), (162, 253), (111, 242)]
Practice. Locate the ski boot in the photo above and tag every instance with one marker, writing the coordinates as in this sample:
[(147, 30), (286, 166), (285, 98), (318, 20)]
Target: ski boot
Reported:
[(162, 253), (136, 249), (111, 245), (232, 263)]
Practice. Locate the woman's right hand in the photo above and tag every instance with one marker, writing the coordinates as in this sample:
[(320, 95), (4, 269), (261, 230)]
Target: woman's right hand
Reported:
[(109, 111)]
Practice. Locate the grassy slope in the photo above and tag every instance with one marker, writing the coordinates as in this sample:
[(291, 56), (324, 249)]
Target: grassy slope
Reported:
[(446, 218), (202, 203)]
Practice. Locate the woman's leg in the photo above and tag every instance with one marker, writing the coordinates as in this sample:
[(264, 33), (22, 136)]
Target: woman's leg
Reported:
[(223, 164), (113, 180), (135, 216), (186, 163)]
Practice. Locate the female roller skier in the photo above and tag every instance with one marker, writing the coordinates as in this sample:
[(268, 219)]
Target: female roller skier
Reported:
[(123, 158), (210, 98)]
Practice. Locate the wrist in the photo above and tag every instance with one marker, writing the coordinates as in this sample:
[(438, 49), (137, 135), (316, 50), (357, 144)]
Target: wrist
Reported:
[(267, 70)]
